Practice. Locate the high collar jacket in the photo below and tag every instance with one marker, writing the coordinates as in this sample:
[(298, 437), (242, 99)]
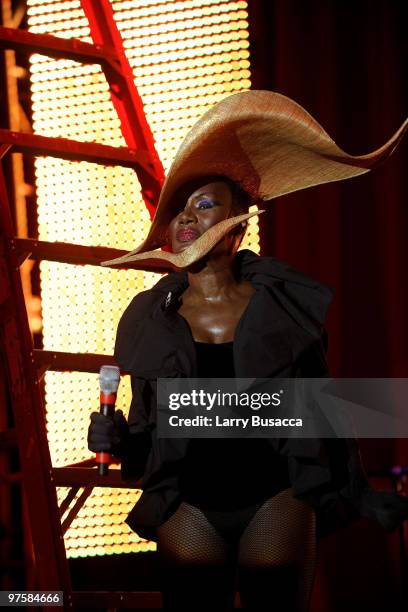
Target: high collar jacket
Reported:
[(280, 334)]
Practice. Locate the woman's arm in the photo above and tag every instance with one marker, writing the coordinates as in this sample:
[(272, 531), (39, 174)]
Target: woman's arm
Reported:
[(314, 365), (386, 507)]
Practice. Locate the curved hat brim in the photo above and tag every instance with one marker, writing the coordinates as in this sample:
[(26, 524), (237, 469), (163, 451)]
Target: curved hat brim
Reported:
[(264, 141)]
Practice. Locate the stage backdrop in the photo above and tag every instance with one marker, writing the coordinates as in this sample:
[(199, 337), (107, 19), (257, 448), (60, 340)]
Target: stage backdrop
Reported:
[(345, 62)]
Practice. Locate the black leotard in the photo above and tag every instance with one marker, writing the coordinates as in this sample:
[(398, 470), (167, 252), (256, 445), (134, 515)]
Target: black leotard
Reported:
[(228, 473)]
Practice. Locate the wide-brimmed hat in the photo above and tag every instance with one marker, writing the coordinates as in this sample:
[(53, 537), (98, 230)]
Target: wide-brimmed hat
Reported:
[(265, 142)]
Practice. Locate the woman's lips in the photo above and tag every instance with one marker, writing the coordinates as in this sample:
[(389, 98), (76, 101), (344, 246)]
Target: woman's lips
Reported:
[(186, 234)]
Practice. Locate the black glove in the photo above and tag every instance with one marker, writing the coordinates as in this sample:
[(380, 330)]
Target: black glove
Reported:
[(386, 507), (108, 435)]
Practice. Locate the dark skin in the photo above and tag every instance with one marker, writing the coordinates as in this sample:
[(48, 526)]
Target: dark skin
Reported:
[(216, 298)]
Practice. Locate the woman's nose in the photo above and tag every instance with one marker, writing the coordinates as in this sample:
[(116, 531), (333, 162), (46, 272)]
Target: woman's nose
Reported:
[(187, 215)]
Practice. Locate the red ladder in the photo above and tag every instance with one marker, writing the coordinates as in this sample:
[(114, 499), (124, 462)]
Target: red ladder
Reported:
[(26, 366)]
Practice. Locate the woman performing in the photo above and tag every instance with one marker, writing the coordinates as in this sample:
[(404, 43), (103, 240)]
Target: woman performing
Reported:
[(232, 513)]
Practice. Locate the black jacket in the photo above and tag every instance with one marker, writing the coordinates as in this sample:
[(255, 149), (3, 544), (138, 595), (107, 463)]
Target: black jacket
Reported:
[(280, 334)]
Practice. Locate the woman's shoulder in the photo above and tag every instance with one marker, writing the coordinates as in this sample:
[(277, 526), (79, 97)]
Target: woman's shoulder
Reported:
[(134, 318), (141, 303), (138, 307)]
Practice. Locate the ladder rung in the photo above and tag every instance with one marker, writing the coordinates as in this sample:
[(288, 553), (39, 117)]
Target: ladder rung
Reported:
[(58, 361), (75, 150), (72, 476), (57, 47), (69, 253), (63, 252)]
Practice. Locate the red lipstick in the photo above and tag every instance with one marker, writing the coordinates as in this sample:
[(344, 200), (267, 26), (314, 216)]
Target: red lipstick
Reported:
[(185, 234)]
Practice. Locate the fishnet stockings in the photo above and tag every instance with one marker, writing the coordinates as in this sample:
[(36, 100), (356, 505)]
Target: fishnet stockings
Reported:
[(271, 559)]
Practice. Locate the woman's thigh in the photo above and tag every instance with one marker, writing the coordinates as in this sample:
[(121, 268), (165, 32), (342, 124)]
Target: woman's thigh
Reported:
[(198, 566), (277, 556)]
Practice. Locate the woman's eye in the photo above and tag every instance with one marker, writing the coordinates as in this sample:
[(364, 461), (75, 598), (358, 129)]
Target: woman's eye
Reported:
[(207, 204)]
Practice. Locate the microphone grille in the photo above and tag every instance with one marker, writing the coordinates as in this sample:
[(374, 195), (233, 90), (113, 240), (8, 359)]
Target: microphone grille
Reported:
[(109, 377)]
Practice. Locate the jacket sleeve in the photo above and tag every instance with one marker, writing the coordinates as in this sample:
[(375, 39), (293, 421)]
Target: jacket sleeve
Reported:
[(320, 468), (343, 453), (350, 451), (138, 442), (348, 495)]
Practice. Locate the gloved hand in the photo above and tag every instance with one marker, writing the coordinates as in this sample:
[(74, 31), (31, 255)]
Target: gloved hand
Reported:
[(387, 507), (108, 435)]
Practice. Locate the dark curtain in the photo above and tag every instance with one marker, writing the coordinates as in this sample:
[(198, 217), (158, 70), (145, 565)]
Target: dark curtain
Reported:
[(345, 62)]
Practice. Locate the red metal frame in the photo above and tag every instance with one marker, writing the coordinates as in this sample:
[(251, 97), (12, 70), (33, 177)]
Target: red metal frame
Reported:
[(75, 150), (56, 47), (108, 51), (28, 412), (66, 252), (124, 94), (26, 366)]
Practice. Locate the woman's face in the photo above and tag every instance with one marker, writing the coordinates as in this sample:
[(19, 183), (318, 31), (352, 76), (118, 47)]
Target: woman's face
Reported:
[(204, 207)]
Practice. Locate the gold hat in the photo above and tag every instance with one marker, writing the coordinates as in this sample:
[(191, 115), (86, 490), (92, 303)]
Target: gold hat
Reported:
[(264, 141)]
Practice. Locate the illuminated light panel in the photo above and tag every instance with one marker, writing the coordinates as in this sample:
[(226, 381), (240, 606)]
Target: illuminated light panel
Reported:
[(186, 57)]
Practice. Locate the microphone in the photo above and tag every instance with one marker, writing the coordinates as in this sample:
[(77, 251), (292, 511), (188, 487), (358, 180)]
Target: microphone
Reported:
[(109, 378)]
